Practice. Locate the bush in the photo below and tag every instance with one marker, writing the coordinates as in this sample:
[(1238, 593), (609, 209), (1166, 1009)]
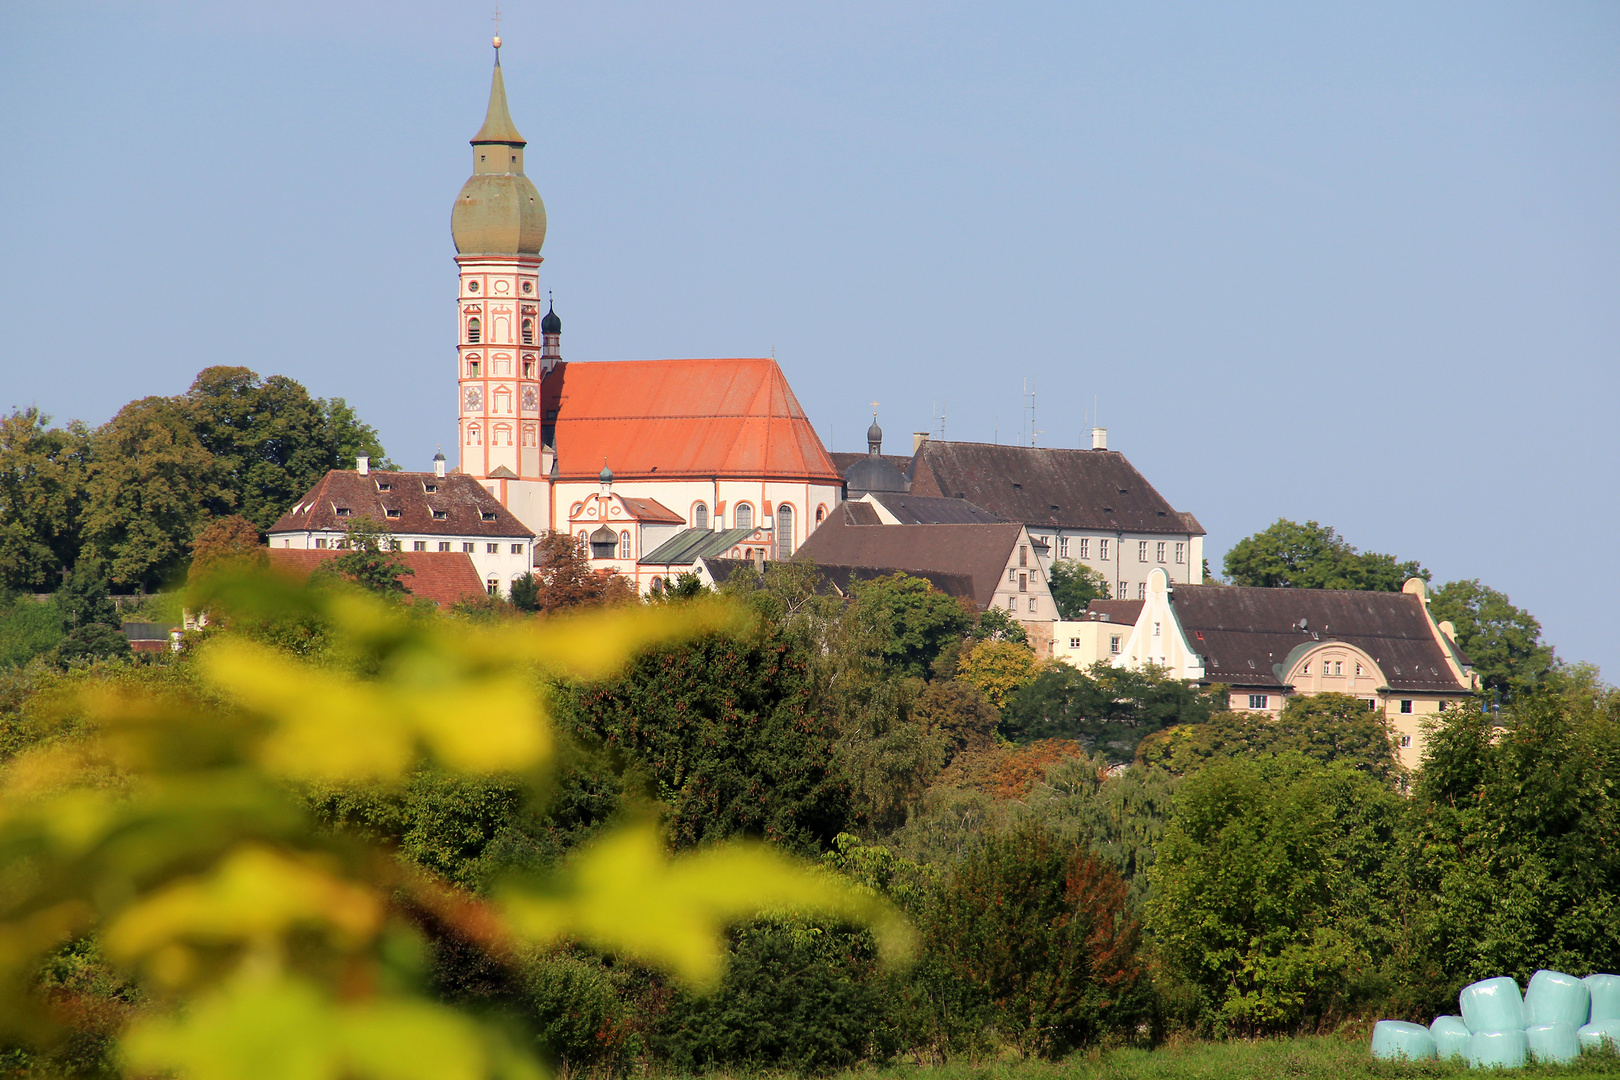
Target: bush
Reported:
[(28, 629), (1032, 936)]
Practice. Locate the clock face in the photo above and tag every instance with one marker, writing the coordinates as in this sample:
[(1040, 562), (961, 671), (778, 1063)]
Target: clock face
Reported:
[(531, 400), (475, 399)]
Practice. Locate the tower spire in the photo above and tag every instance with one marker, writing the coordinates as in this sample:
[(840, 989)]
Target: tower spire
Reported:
[(498, 126)]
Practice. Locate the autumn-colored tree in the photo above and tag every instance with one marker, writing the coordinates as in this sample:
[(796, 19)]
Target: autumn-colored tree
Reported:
[(998, 669), (563, 578), (149, 486), (960, 712), (41, 486), (226, 544)]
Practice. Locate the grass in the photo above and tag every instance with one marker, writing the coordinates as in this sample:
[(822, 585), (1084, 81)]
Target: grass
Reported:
[(1324, 1057)]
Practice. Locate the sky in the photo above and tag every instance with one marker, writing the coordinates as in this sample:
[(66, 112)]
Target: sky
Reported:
[(1352, 263)]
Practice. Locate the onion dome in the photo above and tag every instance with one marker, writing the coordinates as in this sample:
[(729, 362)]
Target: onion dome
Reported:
[(606, 475), (499, 211), (874, 434), (549, 323)]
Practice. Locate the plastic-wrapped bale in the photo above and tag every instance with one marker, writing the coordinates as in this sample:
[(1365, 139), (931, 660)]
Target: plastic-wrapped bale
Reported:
[(1450, 1036), (1605, 991), (1492, 1005), (1396, 1040), (1497, 1049), (1554, 1043), (1599, 1032), (1553, 996)]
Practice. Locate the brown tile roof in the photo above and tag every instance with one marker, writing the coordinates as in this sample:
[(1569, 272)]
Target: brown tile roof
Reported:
[(655, 418), (443, 577), (1116, 611), (651, 510), (979, 552), (1077, 489), (931, 510), (1245, 635), (468, 507), (840, 579)]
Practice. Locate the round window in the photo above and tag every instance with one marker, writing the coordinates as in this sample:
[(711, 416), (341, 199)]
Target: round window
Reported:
[(472, 286), (528, 286)]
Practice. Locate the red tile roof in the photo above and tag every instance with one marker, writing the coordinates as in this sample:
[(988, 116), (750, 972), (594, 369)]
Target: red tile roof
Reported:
[(655, 418), (443, 577), (468, 507)]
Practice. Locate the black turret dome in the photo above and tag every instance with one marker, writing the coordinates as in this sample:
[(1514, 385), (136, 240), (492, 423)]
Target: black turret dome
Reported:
[(549, 323)]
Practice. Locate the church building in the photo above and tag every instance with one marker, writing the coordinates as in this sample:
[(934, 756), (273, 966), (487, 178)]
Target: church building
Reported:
[(628, 456)]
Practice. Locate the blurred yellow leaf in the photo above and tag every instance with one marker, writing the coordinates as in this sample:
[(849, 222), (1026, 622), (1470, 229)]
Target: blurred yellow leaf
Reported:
[(254, 893), (275, 1028), (623, 893), (598, 643)]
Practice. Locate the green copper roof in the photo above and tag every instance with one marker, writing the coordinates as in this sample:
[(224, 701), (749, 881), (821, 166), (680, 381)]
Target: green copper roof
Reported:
[(498, 126), (689, 545)]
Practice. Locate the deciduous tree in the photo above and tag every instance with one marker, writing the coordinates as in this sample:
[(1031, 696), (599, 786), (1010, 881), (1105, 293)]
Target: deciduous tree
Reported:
[(1074, 585), (41, 490), (1503, 642), (998, 669), (1313, 556), (914, 620)]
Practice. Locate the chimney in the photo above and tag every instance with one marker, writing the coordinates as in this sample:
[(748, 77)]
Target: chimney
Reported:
[(917, 440), (1099, 438), (438, 464), (362, 465)]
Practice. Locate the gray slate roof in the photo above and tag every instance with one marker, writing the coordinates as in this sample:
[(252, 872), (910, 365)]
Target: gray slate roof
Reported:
[(1042, 486), (931, 510), (686, 547)]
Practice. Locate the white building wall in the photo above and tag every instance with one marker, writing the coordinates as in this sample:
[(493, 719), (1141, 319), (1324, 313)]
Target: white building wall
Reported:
[(512, 557)]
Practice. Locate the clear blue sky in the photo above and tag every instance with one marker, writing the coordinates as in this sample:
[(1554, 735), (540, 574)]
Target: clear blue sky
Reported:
[(1358, 263)]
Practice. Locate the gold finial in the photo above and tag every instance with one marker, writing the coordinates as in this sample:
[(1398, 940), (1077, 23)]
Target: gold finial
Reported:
[(497, 21)]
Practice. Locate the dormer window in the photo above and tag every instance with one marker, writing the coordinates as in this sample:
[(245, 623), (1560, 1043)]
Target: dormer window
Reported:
[(487, 515), (382, 486), (342, 511), (392, 513), (440, 515), (430, 488), (474, 329)]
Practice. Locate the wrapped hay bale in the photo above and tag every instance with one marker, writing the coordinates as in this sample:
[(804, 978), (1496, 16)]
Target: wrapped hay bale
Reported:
[(1600, 1033), (1553, 996), (1492, 1005), (1396, 1040), (1497, 1049), (1605, 991), (1553, 1043), (1450, 1036)]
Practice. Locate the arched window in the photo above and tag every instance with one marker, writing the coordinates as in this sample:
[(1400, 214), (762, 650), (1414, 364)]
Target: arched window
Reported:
[(474, 329), (528, 331), (821, 514), (584, 538), (657, 586), (784, 531), (700, 516), (624, 545), (745, 516)]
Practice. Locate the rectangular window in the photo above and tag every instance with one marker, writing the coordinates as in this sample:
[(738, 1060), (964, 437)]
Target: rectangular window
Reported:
[(444, 545), (486, 515), (1259, 701), (1074, 643), (492, 549), (1338, 667), (1406, 705), (1181, 554), (469, 548), (1085, 548), (1023, 583), (1358, 671), (1113, 644), (1141, 590), (1063, 547), (1404, 741), (1141, 551), (1305, 669), (1160, 551), (1023, 555), (1032, 605), (320, 542), (440, 515), (1102, 550), (418, 545), (1012, 603), (392, 513), (1012, 575), (517, 549)]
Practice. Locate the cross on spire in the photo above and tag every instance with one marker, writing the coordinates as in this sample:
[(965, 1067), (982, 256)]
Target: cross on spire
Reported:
[(874, 410), (497, 21)]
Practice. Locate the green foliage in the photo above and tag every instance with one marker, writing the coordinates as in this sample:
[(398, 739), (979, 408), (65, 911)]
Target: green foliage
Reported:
[(1312, 556), (914, 620), (994, 624), (1074, 585), (1274, 891), (28, 628), (1327, 727), (1109, 710), (1119, 813), (960, 713), (1510, 853), (525, 592), (997, 669), (41, 489), (370, 559), (1503, 642), (1032, 936)]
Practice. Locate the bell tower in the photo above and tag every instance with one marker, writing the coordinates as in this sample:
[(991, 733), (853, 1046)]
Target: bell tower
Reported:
[(499, 224)]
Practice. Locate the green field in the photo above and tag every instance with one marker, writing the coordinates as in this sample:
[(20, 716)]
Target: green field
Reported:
[(1325, 1057)]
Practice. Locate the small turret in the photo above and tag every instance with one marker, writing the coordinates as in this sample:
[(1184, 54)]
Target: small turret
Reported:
[(550, 338)]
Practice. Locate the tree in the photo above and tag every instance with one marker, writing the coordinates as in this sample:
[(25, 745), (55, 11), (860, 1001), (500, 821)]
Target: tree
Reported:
[(1312, 556), (1503, 642), (994, 624), (229, 544), (913, 620), (272, 440), (371, 559), (959, 711), (1033, 936), (148, 488), (1274, 891), (1109, 710), (1329, 728), (997, 669), (1074, 585), (41, 487), (564, 578)]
